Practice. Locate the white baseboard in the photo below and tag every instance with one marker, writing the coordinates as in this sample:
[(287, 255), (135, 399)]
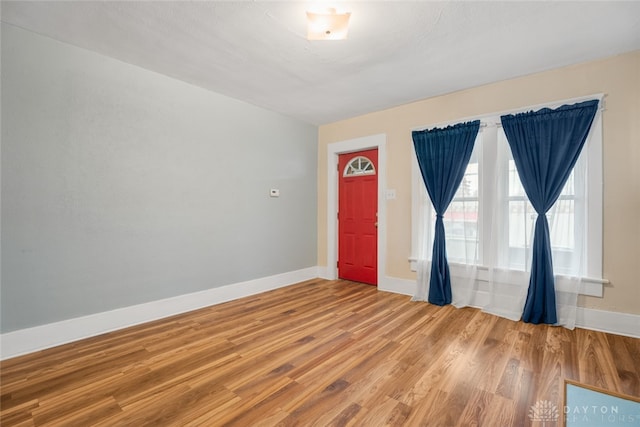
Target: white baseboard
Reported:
[(28, 340), (398, 286), (324, 273), (608, 321), (586, 318), (25, 341)]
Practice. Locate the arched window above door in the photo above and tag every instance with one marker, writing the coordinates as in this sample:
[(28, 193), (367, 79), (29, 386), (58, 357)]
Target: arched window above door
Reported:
[(359, 166)]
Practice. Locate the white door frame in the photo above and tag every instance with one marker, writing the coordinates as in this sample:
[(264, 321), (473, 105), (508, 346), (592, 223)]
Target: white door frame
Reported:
[(333, 150)]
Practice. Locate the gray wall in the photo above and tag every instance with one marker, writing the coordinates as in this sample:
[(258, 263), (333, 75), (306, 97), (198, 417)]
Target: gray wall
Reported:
[(122, 186)]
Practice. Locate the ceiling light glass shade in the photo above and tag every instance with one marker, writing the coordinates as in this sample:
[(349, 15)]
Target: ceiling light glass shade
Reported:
[(327, 25)]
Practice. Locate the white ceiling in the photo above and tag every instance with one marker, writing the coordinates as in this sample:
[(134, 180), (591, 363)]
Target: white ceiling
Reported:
[(397, 51)]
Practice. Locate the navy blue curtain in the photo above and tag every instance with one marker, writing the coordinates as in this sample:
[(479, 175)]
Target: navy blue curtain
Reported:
[(443, 155), (545, 145)]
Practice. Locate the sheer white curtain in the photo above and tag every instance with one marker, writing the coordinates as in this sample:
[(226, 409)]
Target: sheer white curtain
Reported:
[(489, 235), (511, 239), (508, 231), (461, 229), (463, 274), (424, 236), (568, 230)]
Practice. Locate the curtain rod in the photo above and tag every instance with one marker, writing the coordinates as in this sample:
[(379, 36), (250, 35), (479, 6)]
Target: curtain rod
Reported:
[(553, 104), (499, 124)]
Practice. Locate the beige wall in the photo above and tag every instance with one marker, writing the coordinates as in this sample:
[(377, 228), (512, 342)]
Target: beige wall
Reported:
[(618, 77)]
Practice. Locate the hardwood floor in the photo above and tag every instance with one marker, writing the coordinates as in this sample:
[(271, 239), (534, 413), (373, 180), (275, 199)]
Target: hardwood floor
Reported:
[(316, 353)]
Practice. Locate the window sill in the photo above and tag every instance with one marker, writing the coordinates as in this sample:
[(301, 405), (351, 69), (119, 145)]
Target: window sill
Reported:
[(589, 286)]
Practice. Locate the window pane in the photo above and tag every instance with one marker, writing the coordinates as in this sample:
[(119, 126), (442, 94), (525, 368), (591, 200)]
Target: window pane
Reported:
[(515, 186), (561, 220), (359, 166), (569, 186), (469, 185), (562, 224), (461, 228), (521, 221)]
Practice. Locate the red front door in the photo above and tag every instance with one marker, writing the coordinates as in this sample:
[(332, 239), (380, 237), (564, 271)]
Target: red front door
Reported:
[(358, 216)]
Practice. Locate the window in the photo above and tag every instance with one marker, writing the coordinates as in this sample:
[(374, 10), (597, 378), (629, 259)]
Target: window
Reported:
[(490, 220), (567, 213), (461, 217), (359, 166)]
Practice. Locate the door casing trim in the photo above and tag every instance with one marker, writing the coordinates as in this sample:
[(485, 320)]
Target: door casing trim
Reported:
[(371, 279), (378, 142)]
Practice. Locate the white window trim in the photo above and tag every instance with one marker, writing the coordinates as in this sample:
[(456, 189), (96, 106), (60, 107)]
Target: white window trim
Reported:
[(593, 284)]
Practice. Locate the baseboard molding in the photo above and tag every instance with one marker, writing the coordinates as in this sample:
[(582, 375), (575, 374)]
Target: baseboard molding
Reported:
[(324, 273), (398, 286), (42, 337), (28, 340), (586, 318), (608, 321)]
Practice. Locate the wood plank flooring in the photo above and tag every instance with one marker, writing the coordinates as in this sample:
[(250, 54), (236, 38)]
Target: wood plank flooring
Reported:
[(318, 353)]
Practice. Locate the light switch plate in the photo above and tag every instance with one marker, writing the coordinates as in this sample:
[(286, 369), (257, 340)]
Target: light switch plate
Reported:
[(390, 194), (274, 192)]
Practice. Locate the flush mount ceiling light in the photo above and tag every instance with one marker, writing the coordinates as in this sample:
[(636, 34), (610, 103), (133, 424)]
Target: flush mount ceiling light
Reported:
[(327, 25)]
